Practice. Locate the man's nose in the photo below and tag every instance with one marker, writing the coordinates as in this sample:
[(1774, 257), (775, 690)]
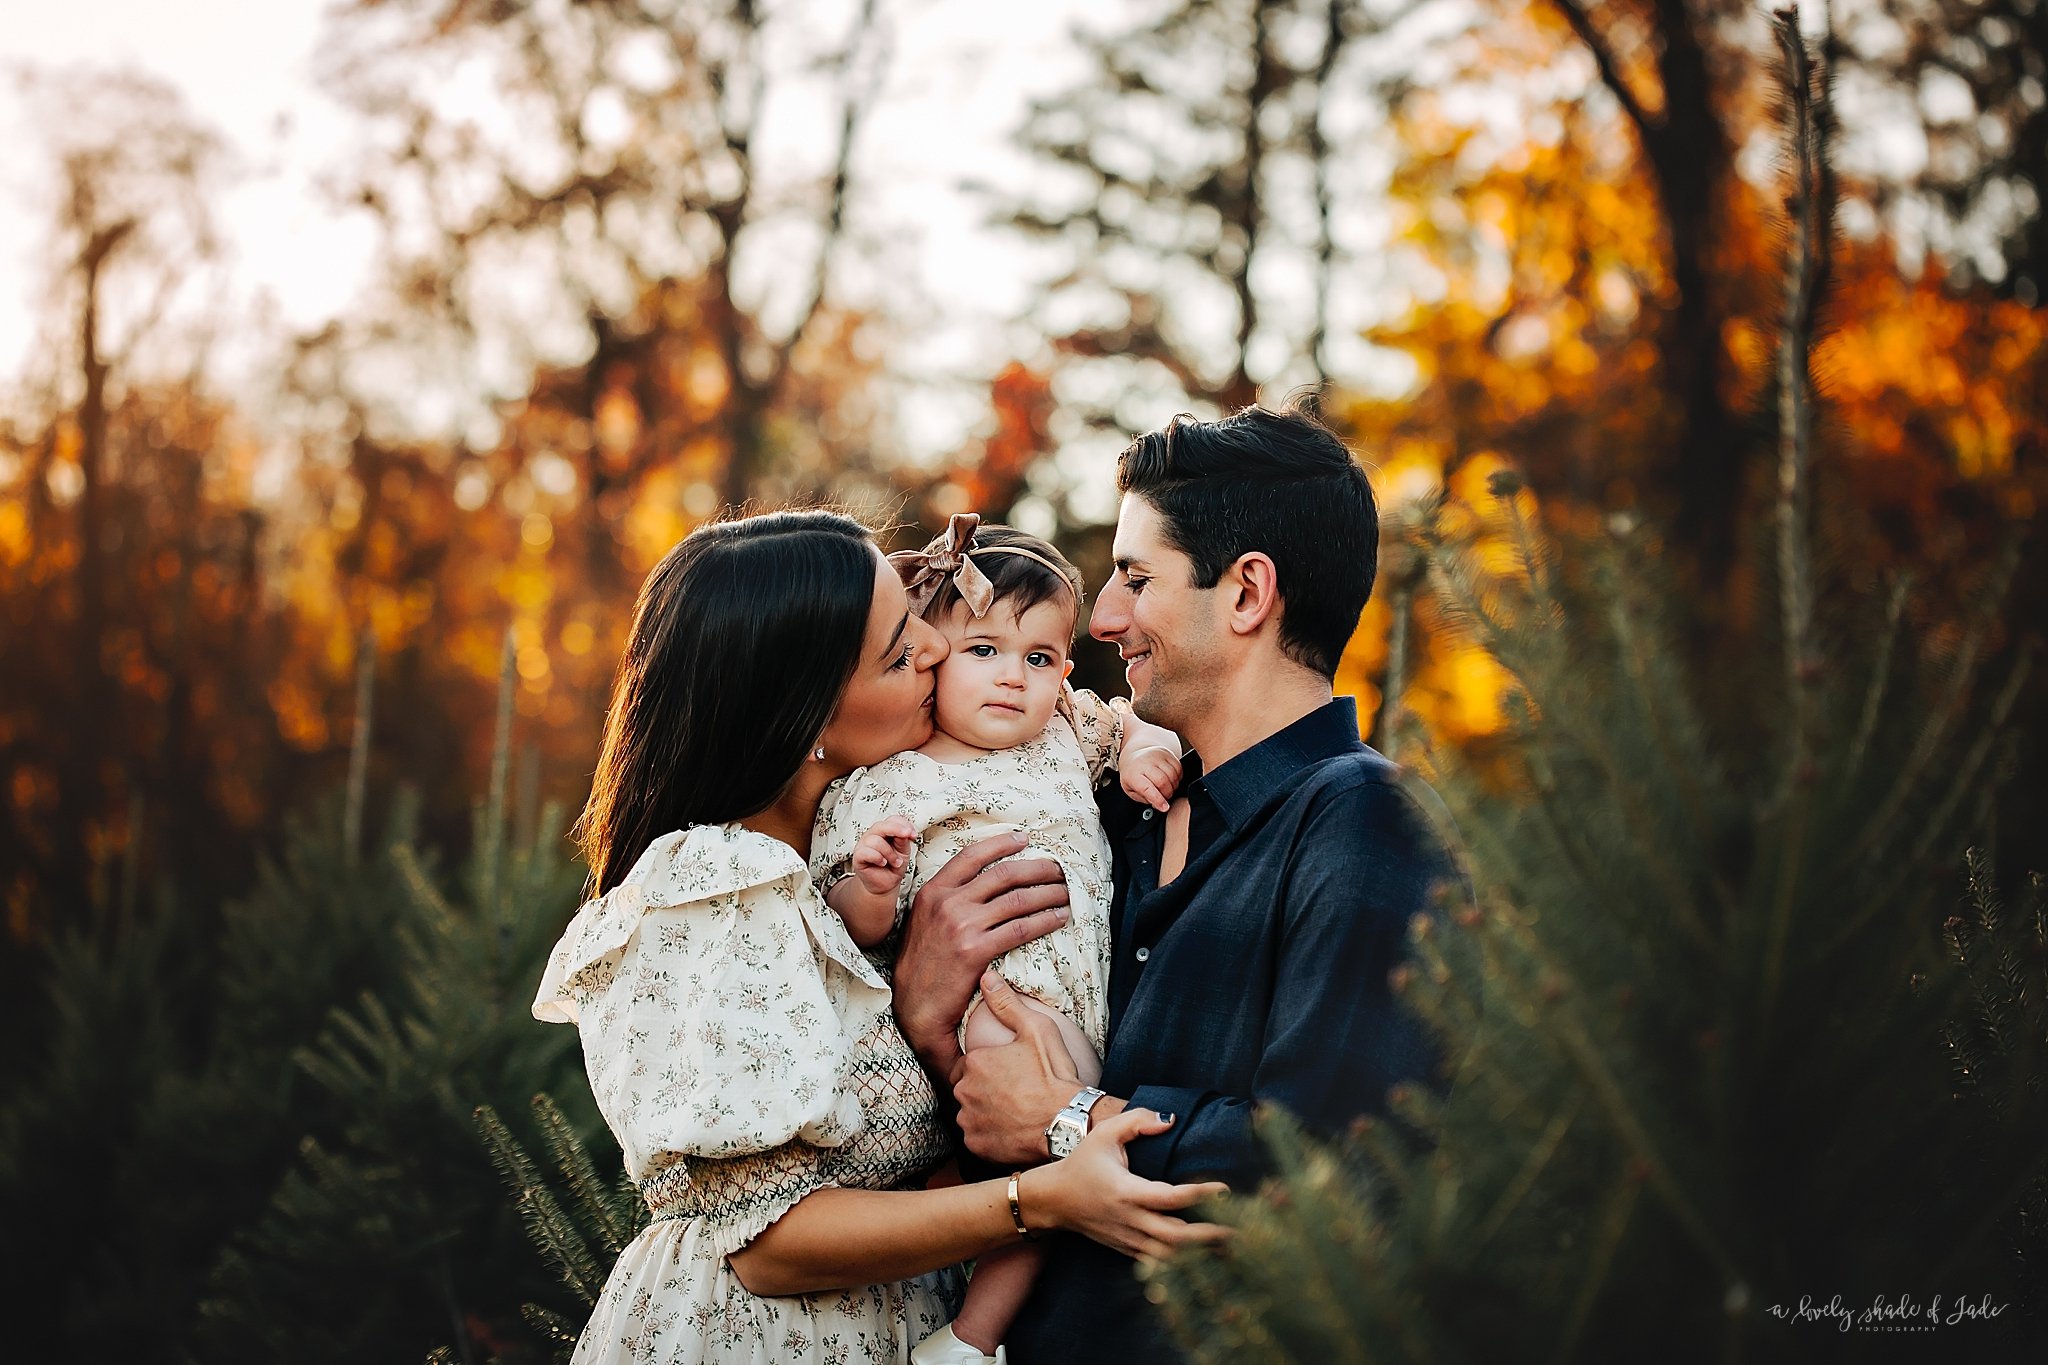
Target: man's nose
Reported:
[(1109, 619)]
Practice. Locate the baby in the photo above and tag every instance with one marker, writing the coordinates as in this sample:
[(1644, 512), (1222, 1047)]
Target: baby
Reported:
[(1014, 749)]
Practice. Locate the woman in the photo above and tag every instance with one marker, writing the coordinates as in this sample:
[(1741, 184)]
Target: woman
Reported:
[(739, 1045)]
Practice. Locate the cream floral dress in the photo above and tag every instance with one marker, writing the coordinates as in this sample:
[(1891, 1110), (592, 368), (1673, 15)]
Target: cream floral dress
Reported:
[(744, 1054), (1043, 788)]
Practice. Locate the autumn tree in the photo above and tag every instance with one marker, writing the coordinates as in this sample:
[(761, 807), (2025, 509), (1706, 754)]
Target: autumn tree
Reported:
[(127, 547), (1971, 78), (1197, 179), (618, 158), (1726, 1019)]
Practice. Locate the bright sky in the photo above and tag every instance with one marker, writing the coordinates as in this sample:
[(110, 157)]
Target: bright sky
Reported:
[(961, 80)]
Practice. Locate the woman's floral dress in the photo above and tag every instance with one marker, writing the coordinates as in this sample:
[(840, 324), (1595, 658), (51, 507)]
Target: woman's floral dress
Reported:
[(744, 1054), (1045, 788)]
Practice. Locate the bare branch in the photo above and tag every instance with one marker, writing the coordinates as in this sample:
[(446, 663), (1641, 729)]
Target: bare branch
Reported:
[(1575, 14), (858, 96)]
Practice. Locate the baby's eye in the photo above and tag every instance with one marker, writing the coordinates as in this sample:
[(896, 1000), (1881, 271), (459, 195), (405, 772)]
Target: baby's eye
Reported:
[(1039, 658), (982, 651)]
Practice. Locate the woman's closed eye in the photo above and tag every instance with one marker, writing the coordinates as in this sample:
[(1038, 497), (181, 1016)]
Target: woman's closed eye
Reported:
[(903, 659)]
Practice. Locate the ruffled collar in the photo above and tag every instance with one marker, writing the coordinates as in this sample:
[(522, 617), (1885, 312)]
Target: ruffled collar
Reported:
[(706, 861), (686, 867)]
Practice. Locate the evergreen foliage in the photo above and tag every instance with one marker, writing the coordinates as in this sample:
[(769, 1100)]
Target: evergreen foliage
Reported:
[(1711, 1054), (398, 1197), (583, 1239), (260, 1146), (168, 1099)]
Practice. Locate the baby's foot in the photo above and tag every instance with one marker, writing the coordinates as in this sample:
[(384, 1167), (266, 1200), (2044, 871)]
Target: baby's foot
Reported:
[(943, 1348)]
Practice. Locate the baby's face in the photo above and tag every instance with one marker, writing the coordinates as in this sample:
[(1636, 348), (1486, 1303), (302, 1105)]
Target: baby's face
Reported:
[(998, 687)]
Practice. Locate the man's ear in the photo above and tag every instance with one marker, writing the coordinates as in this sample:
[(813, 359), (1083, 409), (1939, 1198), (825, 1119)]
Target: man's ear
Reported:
[(1254, 586)]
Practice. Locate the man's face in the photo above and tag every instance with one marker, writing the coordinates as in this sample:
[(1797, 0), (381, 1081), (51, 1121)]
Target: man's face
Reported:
[(1169, 632)]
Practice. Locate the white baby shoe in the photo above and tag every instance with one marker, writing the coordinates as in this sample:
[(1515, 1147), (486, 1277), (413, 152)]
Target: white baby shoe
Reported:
[(943, 1348)]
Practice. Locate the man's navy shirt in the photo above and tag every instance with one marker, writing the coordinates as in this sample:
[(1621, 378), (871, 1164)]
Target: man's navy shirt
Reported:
[(1257, 976)]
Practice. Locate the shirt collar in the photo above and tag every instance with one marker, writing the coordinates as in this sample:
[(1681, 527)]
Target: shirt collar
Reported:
[(1242, 785)]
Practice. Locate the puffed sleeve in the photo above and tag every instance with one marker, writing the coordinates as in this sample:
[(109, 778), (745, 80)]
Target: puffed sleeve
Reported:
[(719, 1003), (854, 805), (1100, 726)]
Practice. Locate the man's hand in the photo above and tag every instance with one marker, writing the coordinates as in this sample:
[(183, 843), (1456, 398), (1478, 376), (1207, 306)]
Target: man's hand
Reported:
[(882, 854), (971, 912), (1008, 1094)]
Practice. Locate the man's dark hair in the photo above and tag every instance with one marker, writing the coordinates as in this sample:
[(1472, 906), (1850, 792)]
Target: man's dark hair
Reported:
[(1280, 483)]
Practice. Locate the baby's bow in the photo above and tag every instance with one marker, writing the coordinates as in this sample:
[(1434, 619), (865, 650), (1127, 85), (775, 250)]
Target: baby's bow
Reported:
[(924, 570)]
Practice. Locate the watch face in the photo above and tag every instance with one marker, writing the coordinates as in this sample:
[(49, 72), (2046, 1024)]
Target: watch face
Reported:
[(1064, 1136)]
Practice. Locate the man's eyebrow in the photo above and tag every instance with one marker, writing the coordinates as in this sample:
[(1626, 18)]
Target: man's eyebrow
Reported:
[(890, 648), (1128, 562)]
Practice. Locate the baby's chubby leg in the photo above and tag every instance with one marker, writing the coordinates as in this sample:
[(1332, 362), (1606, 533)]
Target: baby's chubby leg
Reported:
[(981, 1028), (1002, 1279)]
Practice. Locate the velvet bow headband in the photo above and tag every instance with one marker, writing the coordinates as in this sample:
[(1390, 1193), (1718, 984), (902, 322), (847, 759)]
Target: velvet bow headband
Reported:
[(923, 571)]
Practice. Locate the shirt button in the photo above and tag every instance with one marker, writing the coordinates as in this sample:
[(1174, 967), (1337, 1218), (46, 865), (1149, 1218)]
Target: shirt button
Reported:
[(1144, 954), (1148, 813)]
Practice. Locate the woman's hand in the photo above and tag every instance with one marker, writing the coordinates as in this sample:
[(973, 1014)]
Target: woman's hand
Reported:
[(1093, 1192)]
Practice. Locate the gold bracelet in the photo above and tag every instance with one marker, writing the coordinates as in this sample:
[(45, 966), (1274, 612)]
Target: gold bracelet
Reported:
[(1016, 1212)]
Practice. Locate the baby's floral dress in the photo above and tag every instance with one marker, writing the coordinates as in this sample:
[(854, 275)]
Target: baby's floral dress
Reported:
[(1044, 788), (743, 1052)]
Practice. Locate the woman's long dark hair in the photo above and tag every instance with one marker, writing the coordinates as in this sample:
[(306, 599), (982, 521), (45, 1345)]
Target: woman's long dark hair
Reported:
[(743, 640)]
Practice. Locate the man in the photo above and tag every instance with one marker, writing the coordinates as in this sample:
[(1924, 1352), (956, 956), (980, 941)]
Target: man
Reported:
[(1254, 925)]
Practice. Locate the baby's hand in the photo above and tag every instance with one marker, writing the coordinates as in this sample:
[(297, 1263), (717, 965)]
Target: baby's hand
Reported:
[(883, 852), (1150, 775)]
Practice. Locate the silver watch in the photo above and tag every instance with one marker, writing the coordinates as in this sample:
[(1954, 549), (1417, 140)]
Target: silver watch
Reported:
[(1070, 1125)]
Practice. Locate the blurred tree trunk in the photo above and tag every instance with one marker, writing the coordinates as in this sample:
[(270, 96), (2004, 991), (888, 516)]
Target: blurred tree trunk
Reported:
[(82, 785), (1202, 150), (1686, 149)]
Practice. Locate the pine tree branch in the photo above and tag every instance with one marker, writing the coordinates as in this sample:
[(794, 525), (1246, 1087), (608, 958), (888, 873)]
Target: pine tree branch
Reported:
[(493, 832), (1609, 1227), (1578, 1044), (573, 1159), (1805, 276), (359, 748), (1874, 694), (1531, 1170), (1946, 711)]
